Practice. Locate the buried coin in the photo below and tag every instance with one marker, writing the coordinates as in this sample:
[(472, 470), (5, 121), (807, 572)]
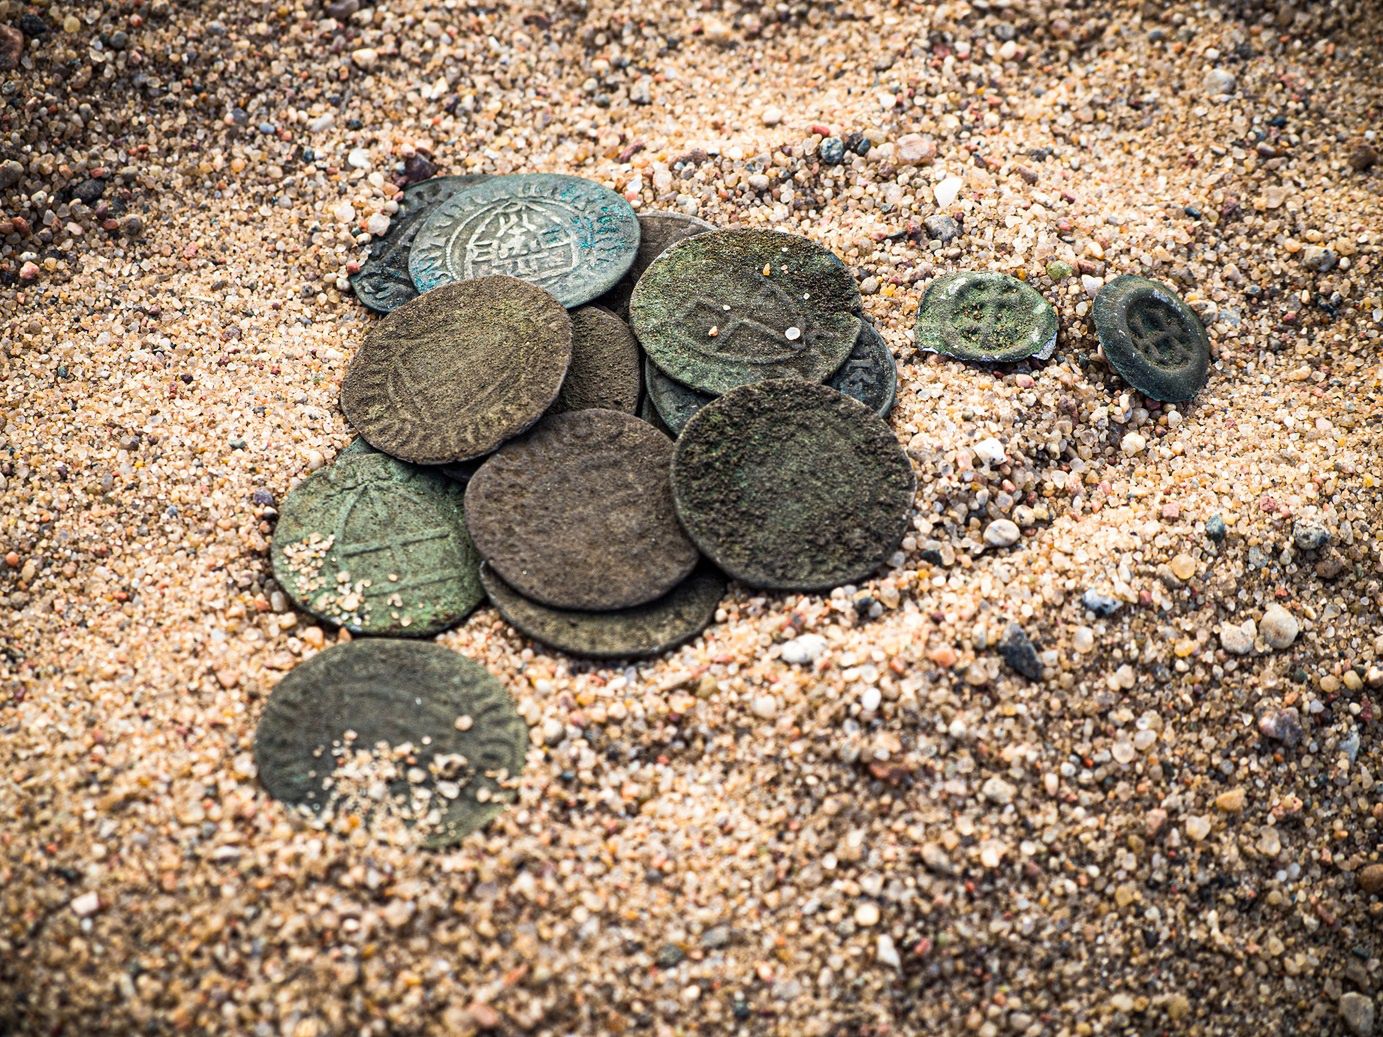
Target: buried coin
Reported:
[(378, 546), (1153, 339), (454, 373), (578, 514), (986, 318), (644, 630), (383, 282), (604, 371), (658, 231), (733, 307), (453, 722), (571, 237), (790, 485)]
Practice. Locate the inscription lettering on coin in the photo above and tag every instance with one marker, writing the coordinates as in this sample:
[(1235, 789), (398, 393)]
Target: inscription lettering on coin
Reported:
[(986, 318), (1152, 338)]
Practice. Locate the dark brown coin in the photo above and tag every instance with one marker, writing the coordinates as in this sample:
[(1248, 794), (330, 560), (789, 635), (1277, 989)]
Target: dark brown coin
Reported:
[(658, 231), (632, 633), (458, 719), (604, 371), (1153, 339), (456, 372), (791, 485), (578, 514)]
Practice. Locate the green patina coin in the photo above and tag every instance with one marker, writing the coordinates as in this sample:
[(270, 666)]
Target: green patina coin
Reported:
[(578, 514), (673, 402), (378, 546), (456, 722), (987, 318), (456, 372), (571, 237), (790, 485), (734, 307), (1153, 339), (632, 633), (658, 231), (604, 371), (383, 282)]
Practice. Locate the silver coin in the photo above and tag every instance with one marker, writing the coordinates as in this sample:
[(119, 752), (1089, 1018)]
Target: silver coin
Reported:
[(569, 236)]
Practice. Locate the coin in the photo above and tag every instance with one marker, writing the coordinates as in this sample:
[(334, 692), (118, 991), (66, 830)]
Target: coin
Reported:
[(733, 307), (674, 402), (1153, 339), (378, 546), (383, 282), (604, 371), (395, 692), (578, 514), (454, 373), (657, 232), (791, 485), (571, 237), (632, 633), (985, 317)]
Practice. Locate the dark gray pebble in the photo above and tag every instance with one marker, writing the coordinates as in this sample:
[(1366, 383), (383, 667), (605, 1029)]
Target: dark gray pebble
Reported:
[(1020, 653)]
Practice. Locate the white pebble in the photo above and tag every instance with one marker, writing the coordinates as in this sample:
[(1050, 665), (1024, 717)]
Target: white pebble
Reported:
[(990, 451), (764, 706), (344, 211), (947, 191), (793, 334), (1001, 533), (1278, 627), (86, 904), (804, 649), (1133, 444), (887, 953), (771, 116), (996, 790), (870, 699), (359, 158), (1237, 639), (378, 224), (867, 914), (365, 57)]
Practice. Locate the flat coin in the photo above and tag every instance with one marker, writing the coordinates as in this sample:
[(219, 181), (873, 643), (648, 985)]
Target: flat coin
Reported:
[(383, 282), (734, 307), (456, 372), (657, 232), (578, 514), (604, 371), (378, 546), (571, 237), (790, 485), (1153, 339), (986, 318), (459, 721), (633, 633), (674, 402)]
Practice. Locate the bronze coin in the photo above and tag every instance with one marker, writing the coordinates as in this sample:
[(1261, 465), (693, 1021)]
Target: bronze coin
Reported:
[(604, 372), (658, 231), (1152, 338)]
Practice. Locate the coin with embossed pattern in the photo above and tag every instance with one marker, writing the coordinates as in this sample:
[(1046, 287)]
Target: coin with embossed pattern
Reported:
[(604, 371), (658, 231), (578, 514), (571, 237), (986, 318), (454, 373), (458, 722), (733, 307), (1152, 338)]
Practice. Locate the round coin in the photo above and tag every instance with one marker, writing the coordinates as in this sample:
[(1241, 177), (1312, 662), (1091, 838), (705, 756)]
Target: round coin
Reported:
[(571, 237), (657, 232), (674, 402), (733, 307), (395, 692), (1153, 339), (454, 373), (792, 486), (987, 318), (604, 371), (578, 514), (378, 546), (383, 282), (632, 633)]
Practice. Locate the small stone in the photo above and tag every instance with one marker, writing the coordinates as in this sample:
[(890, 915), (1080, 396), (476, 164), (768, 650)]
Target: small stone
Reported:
[(11, 48), (1363, 158), (1059, 271), (1215, 528), (832, 151), (1183, 567), (1281, 725), (71, 23), (358, 158), (1309, 535), (803, 650), (867, 914), (1197, 828), (89, 191), (1002, 533), (764, 706), (344, 211), (1220, 82), (947, 191), (1133, 444), (771, 116), (886, 952), (1357, 1011), (1371, 879), (915, 149), (365, 57), (997, 790), (417, 168), (378, 224), (990, 451), (86, 905), (1278, 627), (1100, 604), (941, 227), (29, 271), (1236, 639), (11, 172), (1020, 653), (1231, 802), (1319, 260), (132, 226)]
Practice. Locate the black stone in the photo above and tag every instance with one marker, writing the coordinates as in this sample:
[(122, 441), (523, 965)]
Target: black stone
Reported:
[(1020, 653)]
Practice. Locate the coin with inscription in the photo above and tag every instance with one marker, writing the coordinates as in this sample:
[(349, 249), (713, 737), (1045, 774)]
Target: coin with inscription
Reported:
[(578, 514), (790, 485), (733, 307), (644, 630), (658, 231), (378, 546), (571, 237), (461, 740), (383, 282), (986, 318), (1152, 338), (604, 371), (454, 373)]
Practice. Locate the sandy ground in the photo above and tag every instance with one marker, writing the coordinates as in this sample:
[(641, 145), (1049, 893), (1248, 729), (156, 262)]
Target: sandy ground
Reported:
[(842, 815)]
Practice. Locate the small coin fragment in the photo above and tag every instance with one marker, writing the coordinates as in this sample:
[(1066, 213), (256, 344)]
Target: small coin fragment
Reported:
[(658, 231), (1152, 338), (792, 486), (986, 318), (604, 371)]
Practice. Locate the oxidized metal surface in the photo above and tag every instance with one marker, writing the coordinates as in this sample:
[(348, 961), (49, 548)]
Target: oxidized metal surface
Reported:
[(604, 371), (987, 318), (571, 237), (658, 231), (456, 372), (1153, 339), (793, 486)]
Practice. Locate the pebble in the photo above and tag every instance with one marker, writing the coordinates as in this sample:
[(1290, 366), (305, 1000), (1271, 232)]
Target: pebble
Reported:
[(344, 211), (1357, 1011), (11, 172), (941, 227), (11, 48), (915, 149), (886, 952), (1371, 878), (947, 191), (832, 151), (1101, 605), (1231, 802), (1133, 444), (365, 57), (803, 650), (86, 904), (1278, 627), (764, 706), (1220, 82), (1018, 651), (1059, 271), (378, 224), (1197, 827), (1237, 638), (1309, 535), (1215, 528), (997, 790), (1281, 725), (1002, 533), (359, 158), (870, 699), (771, 116), (867, 914), (1319, 260), (990, 451), (1183, 567)]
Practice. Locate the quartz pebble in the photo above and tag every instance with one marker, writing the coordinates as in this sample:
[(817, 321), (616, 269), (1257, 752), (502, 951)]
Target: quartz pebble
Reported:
[(803, 650), (1002, 533), (1237, 638), (1278, 627), (1357, 1011)]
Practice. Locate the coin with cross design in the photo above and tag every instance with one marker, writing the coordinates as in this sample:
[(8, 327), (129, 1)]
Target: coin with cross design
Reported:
[(986, 318), (1152, 338)]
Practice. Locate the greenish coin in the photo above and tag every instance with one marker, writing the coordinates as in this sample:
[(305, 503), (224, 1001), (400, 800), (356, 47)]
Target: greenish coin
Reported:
[(1152, 338), (658, 231), (986, 318), (604, 371)]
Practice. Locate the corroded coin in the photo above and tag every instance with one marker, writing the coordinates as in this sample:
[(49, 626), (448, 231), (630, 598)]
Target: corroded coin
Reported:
[(733, 307), (632, 633), (578, 514), (791, 485), (383, 283), (1153, 339), (467, 740), (987, 318), (604, 369), (378, 546), (658, 231), (674, 402), (571, 237), (454, 373)]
